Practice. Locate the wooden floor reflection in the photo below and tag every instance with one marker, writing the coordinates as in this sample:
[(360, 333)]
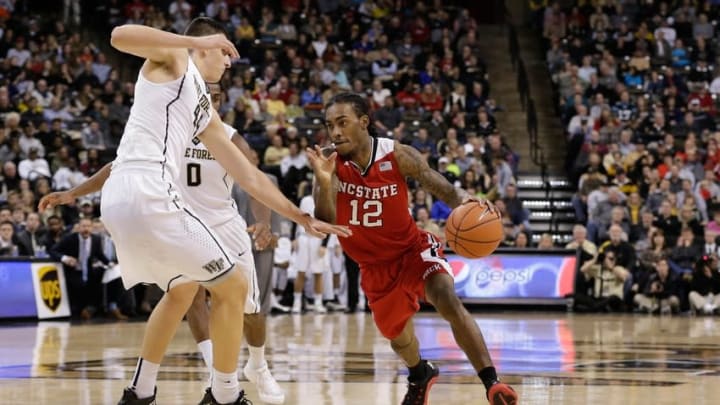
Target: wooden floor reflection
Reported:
[(339, 359)]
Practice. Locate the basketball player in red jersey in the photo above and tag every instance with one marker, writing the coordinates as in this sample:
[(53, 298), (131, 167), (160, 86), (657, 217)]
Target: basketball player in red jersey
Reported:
[(362, 185)]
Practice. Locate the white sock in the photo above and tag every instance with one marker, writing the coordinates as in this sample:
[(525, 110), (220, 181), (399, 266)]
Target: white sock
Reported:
[(257, 356), (205, 348), (143, 382), (336, 291), (225, 387), (297, 299), (318, 300)]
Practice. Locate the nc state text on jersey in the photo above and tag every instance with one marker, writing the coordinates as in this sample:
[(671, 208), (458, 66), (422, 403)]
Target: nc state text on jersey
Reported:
[(369, 193)]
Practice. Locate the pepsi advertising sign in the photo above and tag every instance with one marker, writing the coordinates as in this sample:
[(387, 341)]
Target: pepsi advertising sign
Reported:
[(515, 275)]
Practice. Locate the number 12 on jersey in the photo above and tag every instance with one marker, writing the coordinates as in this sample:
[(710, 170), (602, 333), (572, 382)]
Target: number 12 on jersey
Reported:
[(371, 211)]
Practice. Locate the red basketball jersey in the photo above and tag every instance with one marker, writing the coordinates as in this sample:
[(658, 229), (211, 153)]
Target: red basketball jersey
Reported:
[(374, 204)]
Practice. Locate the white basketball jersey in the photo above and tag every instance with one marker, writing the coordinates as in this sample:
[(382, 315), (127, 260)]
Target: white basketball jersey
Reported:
[(205, 185), (163, 119)]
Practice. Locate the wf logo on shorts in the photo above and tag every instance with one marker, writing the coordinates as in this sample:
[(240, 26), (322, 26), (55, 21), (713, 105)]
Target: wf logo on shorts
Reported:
[(215, 266)]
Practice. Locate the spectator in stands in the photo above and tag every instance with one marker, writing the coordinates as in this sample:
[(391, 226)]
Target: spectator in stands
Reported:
[(704, 293), (600, 205), (29, 240), (522, 240), (28, 141), (519, 215), (660, 291), (689, 219), (384, 67), (580, 241), (8, 247), (55, 232), (80, 253), (34, 166), (624, 252), (388, 119), (668, 222), (424, 144), (293, 168), (702, 28), (18, 55), (686, 251), (546, 241), (311, 97), (608, 289), (710, 246), (92, 137), (618, 216), (10, 179), (422, 218)]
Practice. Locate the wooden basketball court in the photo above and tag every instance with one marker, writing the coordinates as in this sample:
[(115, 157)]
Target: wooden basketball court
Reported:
[(339, 359)]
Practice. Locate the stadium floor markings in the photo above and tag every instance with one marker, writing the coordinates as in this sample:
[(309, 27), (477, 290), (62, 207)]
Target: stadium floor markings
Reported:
[(338, 359)]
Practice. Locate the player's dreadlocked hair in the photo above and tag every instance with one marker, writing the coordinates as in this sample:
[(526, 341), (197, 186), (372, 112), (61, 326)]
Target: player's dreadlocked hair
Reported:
[(203, 26), (359, 105)]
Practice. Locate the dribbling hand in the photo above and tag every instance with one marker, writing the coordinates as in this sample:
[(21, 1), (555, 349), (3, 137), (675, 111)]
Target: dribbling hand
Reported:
[(482, 201), (216, 41), (52, 200)]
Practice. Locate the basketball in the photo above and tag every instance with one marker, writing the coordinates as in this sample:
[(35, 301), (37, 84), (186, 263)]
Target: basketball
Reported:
[(474, 229)]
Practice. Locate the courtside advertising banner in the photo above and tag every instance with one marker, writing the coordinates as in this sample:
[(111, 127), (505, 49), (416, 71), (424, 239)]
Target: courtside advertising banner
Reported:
[(515, 276), (17, 296), (51, 296)]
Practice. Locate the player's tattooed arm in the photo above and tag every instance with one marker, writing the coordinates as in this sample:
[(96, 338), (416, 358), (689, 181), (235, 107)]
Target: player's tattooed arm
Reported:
[(413, 164)]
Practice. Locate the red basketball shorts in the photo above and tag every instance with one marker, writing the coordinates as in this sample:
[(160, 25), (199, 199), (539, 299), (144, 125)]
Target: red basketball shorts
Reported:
[(394, 288)]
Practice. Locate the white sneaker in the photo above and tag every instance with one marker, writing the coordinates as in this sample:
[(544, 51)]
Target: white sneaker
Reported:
[(708, 309), (268, 389), (275, 304), (319, 308), (335, 306), (297, 307)]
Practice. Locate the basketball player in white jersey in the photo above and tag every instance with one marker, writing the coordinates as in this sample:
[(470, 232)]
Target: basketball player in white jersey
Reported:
[(310, 257), (159, 238), (205, 187)]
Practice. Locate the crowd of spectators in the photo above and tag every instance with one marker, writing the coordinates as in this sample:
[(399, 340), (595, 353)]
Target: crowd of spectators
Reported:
[(637, 85), (65, 96)]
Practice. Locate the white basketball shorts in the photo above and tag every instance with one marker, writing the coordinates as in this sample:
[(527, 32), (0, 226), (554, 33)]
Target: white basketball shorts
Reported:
[(233, 234), (158, 238), (307, 259)]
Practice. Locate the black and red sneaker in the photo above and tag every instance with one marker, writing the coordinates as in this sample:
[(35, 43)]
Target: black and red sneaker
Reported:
[(419, 391)]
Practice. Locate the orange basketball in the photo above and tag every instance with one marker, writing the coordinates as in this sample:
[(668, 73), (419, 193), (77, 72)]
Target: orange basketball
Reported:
[(474, 229)]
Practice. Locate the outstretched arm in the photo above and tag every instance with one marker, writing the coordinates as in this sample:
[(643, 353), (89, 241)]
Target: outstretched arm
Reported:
[(256, 183), (413, 164), (89, 186), (155, 45), (165, 48)]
